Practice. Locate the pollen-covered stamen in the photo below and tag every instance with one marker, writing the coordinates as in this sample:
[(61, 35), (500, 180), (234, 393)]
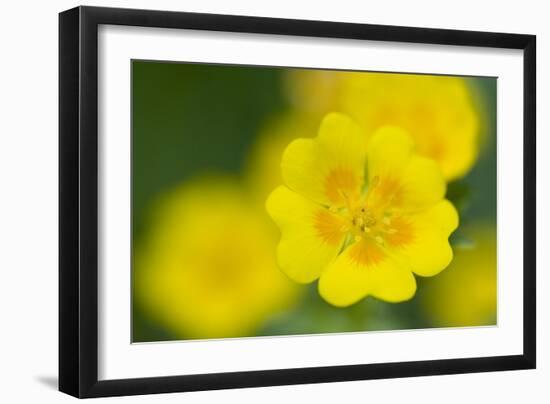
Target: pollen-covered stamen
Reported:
[(387, 225), (379, 227), (363, 220)]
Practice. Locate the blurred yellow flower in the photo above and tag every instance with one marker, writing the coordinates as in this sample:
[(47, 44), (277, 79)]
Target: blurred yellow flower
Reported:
[(361, 242), (208, 268), (313, 92), (466, 293), (437, 111)]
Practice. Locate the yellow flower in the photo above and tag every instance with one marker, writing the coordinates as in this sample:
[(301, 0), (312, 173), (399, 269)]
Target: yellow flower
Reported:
[(208, 269), (358, 241), (437, 111), (466, 294)]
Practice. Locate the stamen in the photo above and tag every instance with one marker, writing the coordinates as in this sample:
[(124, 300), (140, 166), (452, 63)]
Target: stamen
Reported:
[(346, 199), (372, 185)]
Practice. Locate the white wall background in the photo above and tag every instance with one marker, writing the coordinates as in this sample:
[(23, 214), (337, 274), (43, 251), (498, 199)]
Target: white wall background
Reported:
[(28, 199)]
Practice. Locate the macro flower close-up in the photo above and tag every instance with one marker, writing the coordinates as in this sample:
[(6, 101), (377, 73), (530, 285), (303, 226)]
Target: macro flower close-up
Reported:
[(361, 216), (309, 201)]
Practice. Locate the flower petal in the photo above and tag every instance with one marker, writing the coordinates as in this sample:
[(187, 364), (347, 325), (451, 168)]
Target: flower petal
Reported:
[(388, 152), (428, 251), (423, 184), (311, 235), (332, 165), (365, 269), (398, 177)]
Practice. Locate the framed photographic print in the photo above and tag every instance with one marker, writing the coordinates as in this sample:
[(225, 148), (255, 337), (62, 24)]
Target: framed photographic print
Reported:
[(251, 201)]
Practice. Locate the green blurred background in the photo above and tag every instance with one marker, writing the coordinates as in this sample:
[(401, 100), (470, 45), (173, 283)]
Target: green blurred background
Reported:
[(189, 119)]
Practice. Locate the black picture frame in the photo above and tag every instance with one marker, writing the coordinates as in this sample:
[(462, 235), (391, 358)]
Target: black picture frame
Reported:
[(78, 201)]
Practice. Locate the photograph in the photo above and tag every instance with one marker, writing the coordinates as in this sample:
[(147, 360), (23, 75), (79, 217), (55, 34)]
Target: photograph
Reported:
[(285, 202), (271, 201)]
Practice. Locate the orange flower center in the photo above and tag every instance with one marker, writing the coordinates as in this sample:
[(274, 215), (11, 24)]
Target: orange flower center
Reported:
[(373, 218), (341, 183), (367, 224)]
